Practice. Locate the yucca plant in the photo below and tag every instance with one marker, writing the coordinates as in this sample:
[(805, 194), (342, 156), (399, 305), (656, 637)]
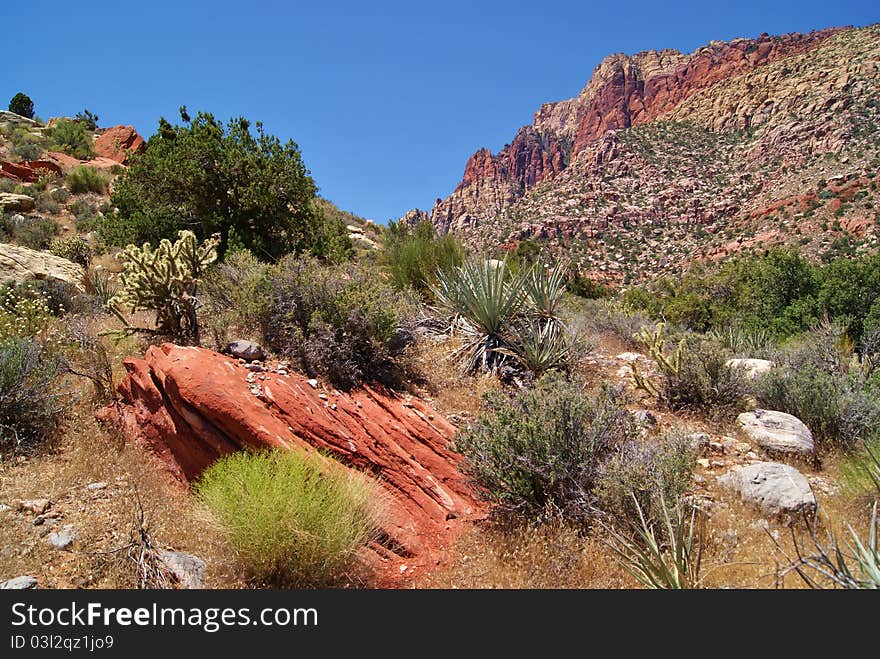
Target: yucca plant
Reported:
[(543, 288), (483, 299), (671, 560), (540, 348)]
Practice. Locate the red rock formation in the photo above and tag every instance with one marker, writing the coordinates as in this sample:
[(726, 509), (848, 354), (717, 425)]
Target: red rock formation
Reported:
[(624, 91), (118, 143), (27, 171), (192, 406)]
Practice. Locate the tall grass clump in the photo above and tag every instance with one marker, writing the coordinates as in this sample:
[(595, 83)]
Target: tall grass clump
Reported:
[(541, 450), (412, 256), (294, 518), (29, 404)]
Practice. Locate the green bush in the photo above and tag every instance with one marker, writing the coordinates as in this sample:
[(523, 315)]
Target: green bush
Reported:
[(340, 321), (210, 178), (821, 384), (293, 518), (694, 374), (647, 475), (412, 256), (72, 248), (542, 448), (72, 137), (25, 145), (28, 231), (29, 404), (236, 294), (85, 179)]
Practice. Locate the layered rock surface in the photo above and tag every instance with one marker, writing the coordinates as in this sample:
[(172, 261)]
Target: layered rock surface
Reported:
[(192, 406), (21, 264)]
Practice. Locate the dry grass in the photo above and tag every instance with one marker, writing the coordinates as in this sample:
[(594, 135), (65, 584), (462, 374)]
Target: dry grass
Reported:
[(89, 453), (449, 391), (551, 555)]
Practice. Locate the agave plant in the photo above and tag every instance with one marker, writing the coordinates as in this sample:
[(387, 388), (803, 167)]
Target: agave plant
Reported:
[(483, 298)]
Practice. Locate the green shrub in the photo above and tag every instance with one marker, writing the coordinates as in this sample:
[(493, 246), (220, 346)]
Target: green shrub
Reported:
[(72, 137), (542, 448), (255, 192), (412, 256), (293, 518), (614, 317), (236, 294), (340, 321), (25, 145), (85, 179), (72, 248), (29, 404), (28, 231), (821, 385), (694, 374), (647, 475), (24, 312)]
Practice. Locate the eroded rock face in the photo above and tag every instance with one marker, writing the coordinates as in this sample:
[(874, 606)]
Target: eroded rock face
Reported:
[(118, 143), (192, 406), (21, 203), (625, 90), (778, 432), (774, 487), (21, 264)]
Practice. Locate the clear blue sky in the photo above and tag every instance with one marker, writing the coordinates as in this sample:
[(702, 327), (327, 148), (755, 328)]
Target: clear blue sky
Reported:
[(386, 99)]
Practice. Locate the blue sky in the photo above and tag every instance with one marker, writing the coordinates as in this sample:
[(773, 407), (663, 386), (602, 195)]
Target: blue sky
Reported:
[(386, 100)]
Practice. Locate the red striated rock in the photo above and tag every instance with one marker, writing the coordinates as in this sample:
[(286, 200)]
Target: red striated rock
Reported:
[(42, 166), (63, 160), (118, 143), (624, 91), (192, 406)]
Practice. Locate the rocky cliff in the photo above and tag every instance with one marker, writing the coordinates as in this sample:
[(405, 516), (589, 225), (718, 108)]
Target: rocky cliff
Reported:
[(660, 145)]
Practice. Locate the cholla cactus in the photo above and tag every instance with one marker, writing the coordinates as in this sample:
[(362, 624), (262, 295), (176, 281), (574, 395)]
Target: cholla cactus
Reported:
[(165, 280), (669, 364)]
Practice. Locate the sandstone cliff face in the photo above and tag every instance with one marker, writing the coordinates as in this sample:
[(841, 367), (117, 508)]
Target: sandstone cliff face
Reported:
[(624, 91), (668, 158)]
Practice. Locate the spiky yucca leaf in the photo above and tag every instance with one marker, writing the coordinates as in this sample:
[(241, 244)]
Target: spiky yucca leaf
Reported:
[(673, 564), (540, 348), (543, 288), (483, 298)]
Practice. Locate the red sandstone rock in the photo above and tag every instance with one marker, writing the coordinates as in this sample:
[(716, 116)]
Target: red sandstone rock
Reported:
[(192, 406), (63, 160), (118, 143), (27, 171)]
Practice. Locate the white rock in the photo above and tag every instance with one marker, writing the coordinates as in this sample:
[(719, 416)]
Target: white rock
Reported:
[(21, 264), (777, 432), (62, 539), (751, 368), (189, 569), (19, 583), (775, 487)]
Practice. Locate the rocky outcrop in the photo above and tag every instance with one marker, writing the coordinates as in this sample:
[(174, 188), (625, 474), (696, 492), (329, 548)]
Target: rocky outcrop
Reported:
[(778, 432), (28, 171), (21, 264), (624, 91), (774, 487), (118, 143), (16, 203), (192, 406)]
